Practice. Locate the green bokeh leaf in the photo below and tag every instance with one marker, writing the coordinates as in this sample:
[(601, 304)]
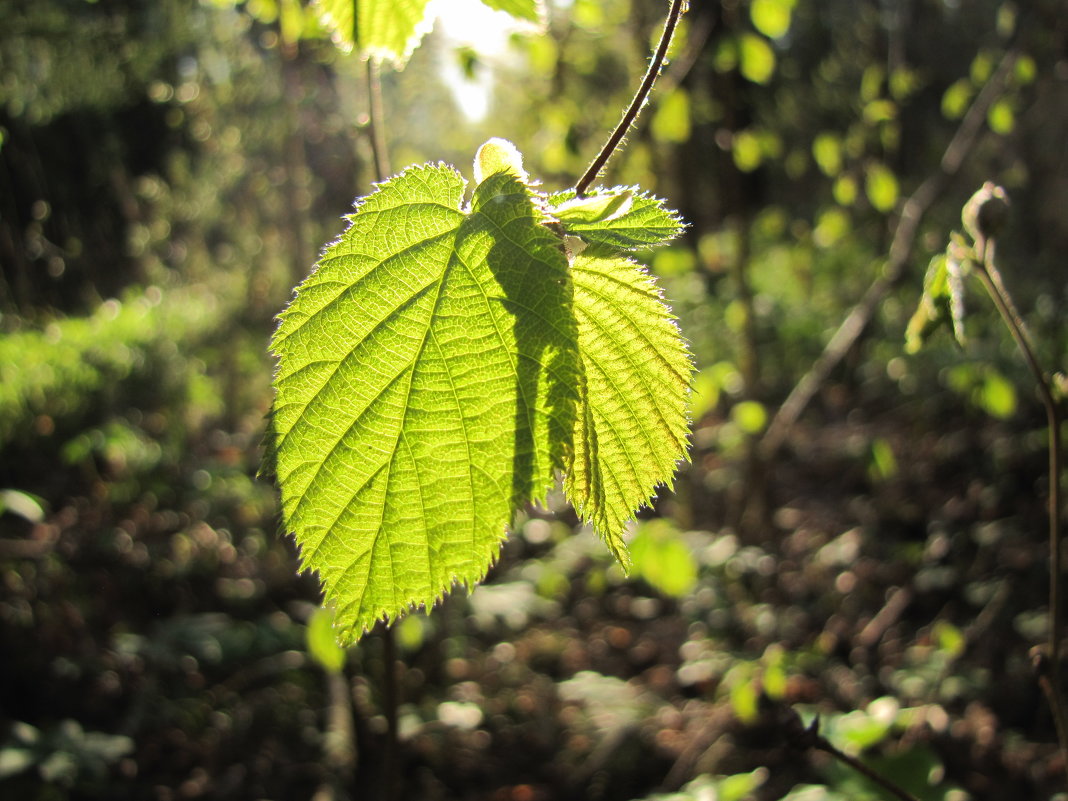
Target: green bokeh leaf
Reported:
[(672, 120), (956, 98), (28, 507), (632, 423), (1001, 118), (772, 17), (827, 150), (426, 388), (881, 186), (663, 559), (756, 59), (740, 786), (746, 151), (320, 641)]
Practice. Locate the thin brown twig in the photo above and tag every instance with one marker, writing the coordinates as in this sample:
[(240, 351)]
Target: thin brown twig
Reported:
[(804, 738), (391, 703), (825, 745), (376, 126), (636, 104), (912, 213), (390, 683), (990, 277)]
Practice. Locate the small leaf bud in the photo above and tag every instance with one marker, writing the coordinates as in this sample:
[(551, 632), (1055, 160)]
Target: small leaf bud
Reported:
[(1059, 385), (496, 156), (986, 212)]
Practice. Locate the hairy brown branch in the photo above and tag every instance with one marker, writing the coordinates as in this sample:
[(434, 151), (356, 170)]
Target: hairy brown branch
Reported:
[(636, 104)]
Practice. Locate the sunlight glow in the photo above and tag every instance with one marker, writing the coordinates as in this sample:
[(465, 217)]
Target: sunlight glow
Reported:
[(469, 23)]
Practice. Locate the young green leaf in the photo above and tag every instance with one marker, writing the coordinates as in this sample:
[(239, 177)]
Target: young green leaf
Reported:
[(595, 209), (632, 423), (385, 30), (530, 10), (426, 388), (499, 155), (942, 301), (933, 309), (644, 223)]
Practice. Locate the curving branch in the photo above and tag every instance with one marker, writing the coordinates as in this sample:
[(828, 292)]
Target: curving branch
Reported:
[(678, 7)]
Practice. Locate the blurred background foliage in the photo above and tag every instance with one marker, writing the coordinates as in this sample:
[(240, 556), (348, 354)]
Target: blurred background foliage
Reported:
[(168, 171)]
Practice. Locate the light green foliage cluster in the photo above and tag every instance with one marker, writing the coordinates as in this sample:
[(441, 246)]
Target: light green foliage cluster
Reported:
[(58, 371), (445, 362), (61, 754), (942, 302)]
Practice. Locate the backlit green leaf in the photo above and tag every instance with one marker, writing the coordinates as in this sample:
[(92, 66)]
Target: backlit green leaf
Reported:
[(532, 10), (631, 424), (595, 209), (444, 363), (426, 388), (644, 223), (385, 30)]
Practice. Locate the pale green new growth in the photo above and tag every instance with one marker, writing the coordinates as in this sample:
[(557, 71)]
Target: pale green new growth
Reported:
[(596, 209), (643, 223), (632, 424), (443, 365), (426, 389), (499, 155)]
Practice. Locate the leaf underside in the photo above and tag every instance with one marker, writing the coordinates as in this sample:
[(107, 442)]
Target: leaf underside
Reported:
[(426, 388), (443, 365), (633, 424), (386, 30), (645, 223)]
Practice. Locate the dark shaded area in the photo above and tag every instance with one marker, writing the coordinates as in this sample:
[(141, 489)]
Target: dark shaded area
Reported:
[(167, 174)]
